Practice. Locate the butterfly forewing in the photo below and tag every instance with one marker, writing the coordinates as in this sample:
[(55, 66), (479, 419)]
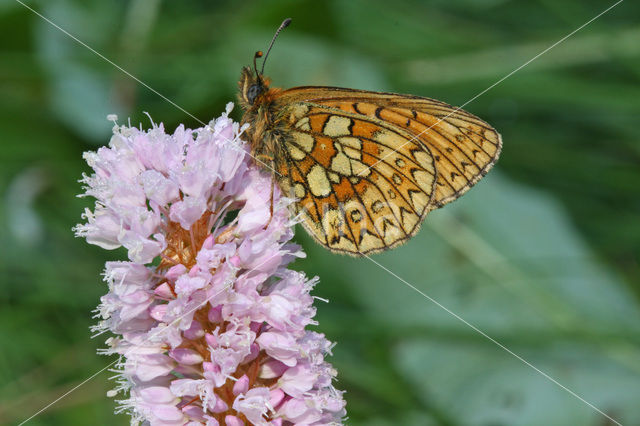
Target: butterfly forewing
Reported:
[(463, 146)]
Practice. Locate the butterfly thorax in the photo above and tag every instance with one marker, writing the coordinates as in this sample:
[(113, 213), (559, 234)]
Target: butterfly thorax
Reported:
[(258, 102)]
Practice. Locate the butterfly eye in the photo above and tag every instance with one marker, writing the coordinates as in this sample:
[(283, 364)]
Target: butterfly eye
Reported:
[(253, 92)]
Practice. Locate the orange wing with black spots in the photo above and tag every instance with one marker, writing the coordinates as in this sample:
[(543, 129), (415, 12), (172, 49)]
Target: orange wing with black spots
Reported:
[(463, 146), (365, 167), (362, 184)]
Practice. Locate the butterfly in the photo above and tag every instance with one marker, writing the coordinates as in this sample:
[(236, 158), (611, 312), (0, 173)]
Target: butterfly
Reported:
[(364, 167)]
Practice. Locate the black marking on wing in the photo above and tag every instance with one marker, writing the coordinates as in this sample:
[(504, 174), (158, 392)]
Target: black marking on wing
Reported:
[(373, 184), (373, 224), (419, 146), (473, 141), (291, 161), (449, 149)]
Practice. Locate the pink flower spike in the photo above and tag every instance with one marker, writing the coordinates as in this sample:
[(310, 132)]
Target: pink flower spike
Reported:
[(209, 323)]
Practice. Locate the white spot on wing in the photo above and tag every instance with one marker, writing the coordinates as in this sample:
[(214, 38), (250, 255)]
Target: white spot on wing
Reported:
[(318, 181), (337, 126)]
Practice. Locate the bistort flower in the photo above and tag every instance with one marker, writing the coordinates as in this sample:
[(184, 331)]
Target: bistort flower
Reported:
[(209, 324)]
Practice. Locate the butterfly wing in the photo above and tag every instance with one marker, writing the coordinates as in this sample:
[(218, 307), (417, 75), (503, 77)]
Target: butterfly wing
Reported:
[(366, 167), (463, 146), (362, 185)]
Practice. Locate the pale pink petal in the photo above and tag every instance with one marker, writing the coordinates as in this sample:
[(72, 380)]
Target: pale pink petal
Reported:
[(186, 356)]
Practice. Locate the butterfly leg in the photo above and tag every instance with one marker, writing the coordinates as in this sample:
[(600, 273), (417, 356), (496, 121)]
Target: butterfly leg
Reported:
[(265, 162), (273, 182), (271, 205)]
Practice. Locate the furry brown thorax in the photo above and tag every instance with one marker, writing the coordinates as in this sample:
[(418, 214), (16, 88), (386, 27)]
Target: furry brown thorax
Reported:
[(257, 101)]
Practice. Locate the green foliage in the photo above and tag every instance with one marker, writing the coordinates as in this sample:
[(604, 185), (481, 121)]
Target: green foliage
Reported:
[(543, 255)]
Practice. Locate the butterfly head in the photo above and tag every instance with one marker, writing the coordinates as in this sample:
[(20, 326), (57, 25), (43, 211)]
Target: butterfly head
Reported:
[(252, 84)]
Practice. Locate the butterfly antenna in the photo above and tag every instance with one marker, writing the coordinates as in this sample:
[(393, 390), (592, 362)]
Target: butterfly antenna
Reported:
[(284, 25), (255, 67)]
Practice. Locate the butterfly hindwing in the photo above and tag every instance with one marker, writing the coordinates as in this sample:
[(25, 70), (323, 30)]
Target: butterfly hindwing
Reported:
[(362, 184)]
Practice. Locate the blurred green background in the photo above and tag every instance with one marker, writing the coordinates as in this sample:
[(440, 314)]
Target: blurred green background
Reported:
[(543, 255)]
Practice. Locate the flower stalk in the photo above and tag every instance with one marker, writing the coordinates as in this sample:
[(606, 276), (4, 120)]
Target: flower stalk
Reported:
[(209, 324)]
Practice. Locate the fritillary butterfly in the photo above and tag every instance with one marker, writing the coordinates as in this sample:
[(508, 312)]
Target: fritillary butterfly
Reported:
[(365, 167)]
